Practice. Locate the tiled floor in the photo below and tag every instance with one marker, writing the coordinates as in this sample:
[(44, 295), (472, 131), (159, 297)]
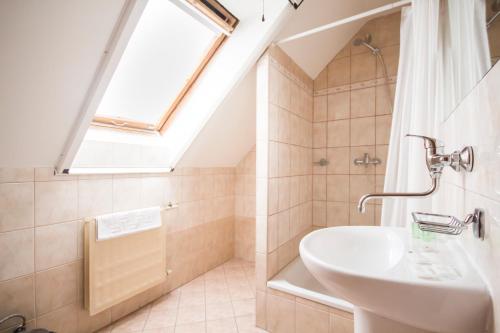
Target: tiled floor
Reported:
[(222, 300)]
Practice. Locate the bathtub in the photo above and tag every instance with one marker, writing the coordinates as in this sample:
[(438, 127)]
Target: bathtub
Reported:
[(295, 279)]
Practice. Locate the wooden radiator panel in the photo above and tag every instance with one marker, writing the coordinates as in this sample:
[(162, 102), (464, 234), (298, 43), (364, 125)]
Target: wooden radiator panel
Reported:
[(120, 268)]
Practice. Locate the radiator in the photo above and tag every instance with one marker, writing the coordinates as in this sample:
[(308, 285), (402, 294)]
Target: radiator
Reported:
[(120, 268)]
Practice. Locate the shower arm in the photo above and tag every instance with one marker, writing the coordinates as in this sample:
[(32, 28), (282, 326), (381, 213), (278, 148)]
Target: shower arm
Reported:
[(458, 161), (367, 197)]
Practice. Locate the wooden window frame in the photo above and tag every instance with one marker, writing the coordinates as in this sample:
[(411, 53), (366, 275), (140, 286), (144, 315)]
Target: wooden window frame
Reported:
[(228, 24)]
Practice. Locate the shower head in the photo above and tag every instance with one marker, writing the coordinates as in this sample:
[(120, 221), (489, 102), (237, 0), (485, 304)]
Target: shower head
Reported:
[(366, 43)]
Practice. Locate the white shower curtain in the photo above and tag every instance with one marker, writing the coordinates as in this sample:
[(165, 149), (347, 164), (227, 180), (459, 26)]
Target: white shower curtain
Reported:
[(443, 54)]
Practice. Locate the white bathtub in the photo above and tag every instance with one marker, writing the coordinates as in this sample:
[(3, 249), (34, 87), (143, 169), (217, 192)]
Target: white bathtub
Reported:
[(295, 279)]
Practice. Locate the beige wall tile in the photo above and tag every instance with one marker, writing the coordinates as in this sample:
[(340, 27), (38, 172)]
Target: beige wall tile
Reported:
[(283, 125), (95, 197), (283, 160), (61, 320), (384, 95), (295, 220), (261, 271), (319, 187), (306, 188), (338, 72), (283, 227), (153, 189), (367, 28), (272, 264), (340, 324), (363, 131), (339, 161), (284, 92), (17, 296), (358, 153), (16, 206), (16, 175), (272, 233), (381, 152), (280, 314), (361, 185), (339, 105), (283, 193), (319, 135), (55, 245), (55, 201), (363, 102), (383, 129), (295, 190), (273, 159), (338, 133), (363, 67), (357, 218), (387, 30), (273, 196), (338, 188), (66, 280), (16, 248), (273, 122), (319, 213), (337, 214), (285, 254), (318, 154), (260, 311), (321, 81), (320, 108), (345, 52), (378, 215), (391, 60), (308, 319), (127, 194)]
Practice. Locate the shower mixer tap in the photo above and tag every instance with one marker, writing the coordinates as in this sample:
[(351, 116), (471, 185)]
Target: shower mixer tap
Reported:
[(459, 160)]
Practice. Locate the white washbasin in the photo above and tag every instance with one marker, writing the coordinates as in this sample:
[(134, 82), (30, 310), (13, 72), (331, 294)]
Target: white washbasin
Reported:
[(431, 288)]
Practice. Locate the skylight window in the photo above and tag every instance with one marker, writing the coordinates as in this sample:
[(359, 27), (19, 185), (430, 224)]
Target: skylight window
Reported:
[(171, 44)]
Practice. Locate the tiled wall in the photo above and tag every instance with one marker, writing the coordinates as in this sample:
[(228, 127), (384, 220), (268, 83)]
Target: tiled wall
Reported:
[(476, 122), (287, 313), (352, 116), (284, 167), (244, 208), (41, 236)]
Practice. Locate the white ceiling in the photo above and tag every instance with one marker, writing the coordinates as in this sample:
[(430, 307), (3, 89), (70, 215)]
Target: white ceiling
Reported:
[(327, 44), (50, 51)]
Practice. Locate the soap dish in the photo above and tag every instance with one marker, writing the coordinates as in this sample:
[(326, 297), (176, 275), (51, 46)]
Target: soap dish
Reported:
[(447, 224)]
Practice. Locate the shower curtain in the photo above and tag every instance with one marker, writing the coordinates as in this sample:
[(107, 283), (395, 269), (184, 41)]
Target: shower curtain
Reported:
[(444, 52)]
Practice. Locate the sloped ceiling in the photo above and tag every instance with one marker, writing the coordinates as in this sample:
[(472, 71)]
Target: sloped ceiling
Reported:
[(314, 52), (49, 52), (230, 132)]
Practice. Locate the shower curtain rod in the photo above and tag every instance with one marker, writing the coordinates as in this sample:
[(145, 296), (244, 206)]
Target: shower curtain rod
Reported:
[(356, 17)]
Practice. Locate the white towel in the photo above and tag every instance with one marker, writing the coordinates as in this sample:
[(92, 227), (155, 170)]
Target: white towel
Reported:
[(129, 222)]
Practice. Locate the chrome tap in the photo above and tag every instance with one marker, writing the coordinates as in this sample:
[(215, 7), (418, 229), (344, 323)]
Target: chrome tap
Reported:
[(435, 161)]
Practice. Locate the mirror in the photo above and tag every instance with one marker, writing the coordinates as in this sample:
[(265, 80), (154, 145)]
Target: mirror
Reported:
[(472, 47)]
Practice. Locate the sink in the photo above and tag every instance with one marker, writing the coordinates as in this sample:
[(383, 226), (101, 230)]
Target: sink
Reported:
[(396, 284)]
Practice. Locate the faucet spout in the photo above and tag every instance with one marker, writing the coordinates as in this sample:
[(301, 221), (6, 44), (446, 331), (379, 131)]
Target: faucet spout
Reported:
[(367, 197)]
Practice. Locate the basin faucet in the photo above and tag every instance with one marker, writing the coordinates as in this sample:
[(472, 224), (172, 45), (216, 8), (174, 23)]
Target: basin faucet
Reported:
[(435, 161)]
